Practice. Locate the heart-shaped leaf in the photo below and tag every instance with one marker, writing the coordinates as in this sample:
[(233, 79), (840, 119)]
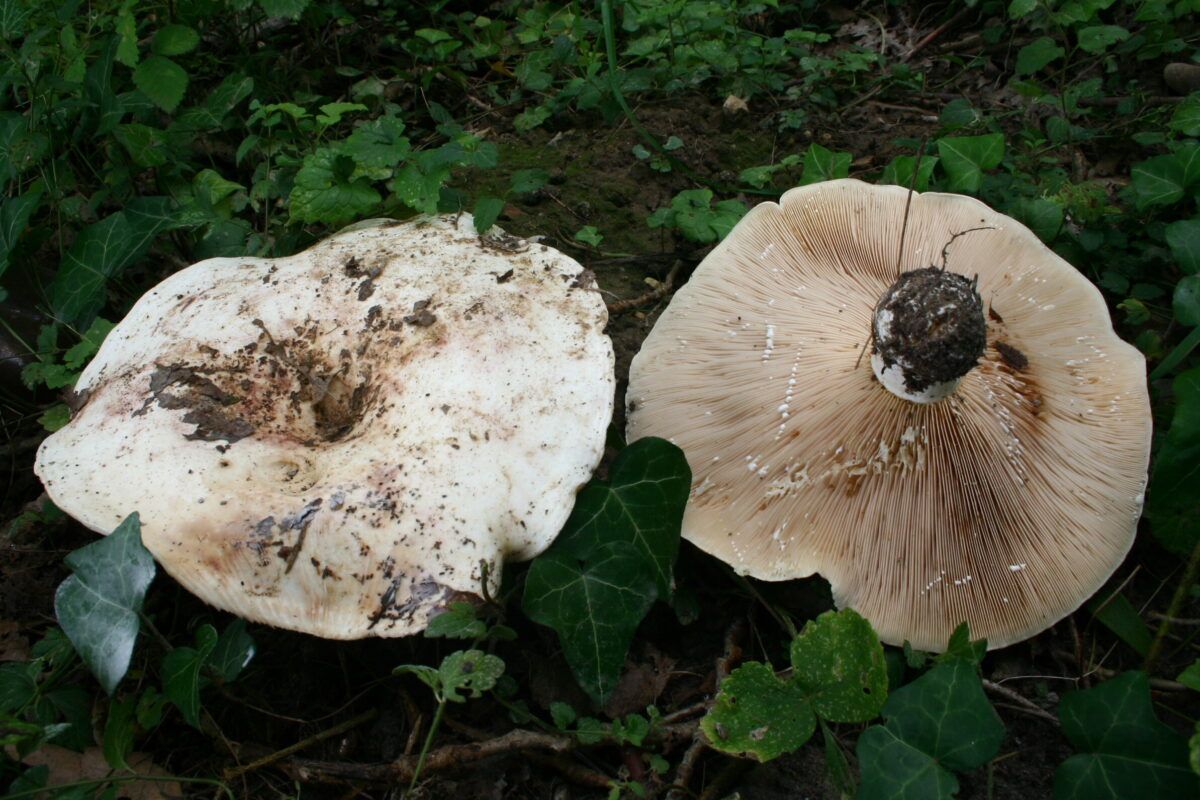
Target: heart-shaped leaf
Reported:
[(98, 606)]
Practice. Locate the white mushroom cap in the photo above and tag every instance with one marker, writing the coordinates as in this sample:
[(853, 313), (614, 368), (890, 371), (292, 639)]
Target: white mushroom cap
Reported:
[(1005, 504), (336, 441)]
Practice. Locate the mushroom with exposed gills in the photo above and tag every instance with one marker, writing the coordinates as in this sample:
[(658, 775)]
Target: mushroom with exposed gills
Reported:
[(344, 441), (985, 464)]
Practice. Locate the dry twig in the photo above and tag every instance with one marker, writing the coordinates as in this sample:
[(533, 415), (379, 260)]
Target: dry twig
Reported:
[(658, 293)]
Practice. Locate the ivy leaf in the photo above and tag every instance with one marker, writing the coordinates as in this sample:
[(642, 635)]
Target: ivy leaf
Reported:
[(942, 721), (181, 674), (162, 80), (642, 505), (98, 606), (1037, 54), (899, 172), (1183, 237), (1186, 302), (1173, 502), (233, 651), (101, 251), (1164, 180), (965, 158), (456, 622), (1125, 750), (326, 191), (594, 604), (118, 732), (14, 219), (822, 164), (838, 674), (1042, 216)]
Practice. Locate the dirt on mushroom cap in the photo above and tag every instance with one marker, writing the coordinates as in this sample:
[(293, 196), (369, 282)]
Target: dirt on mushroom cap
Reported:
[(1005, 505), (336, 442)]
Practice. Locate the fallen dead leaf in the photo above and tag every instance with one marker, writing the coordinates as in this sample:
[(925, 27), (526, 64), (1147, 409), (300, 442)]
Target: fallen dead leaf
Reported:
[(67, 766)]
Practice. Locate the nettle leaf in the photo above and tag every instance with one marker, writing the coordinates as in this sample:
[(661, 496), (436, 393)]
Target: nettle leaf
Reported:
[(1126, 751), (174, 40), (838, 674), (486, 212), (1098, 38), (377, 147), (822, 164), (472, 671), (1165, 180), (456, 622), (1037, 54), (326, 191), (595, 605), (182, 679), (942, 721), (1183, 238), (98, 606), (101, 251), (965, 158), (162, 80), (1173, 501)]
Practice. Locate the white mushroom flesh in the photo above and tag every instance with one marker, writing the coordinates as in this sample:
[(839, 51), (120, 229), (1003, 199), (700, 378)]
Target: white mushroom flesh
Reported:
[(343, 441)]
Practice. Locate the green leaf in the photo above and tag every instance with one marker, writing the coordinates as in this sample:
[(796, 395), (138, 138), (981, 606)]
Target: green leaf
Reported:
[(1020, 8), (1124, 750), (822, 164), (145, 145), (589, 234), (472, 671), (642, 505), (1174, 503), (126, 30), (1183, 237), (1037, 54), (693, 214), (594, 604), (456, 622), (1190, 677), (55, 417), (210, 114), (98, 606), (118, 732), (758, 715), (14, 219), (174, 40), (377, 147), (838, 674), (942, 721), (1098, 38), (562, 714), (899, 172), (1186, 302), (1042, 216), (1119, 615), (325, 191), (486, 212), (101, 251), (181, 673), (418, 186), (527, 181), (162, 80), (233, 651), (1164, 180), (88, 345), (962, 647), (1186, 119), (965, 158), (290, 9)]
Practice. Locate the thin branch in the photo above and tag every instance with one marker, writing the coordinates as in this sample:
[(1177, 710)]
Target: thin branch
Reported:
[(353, 722), (1022, 703), (658, 293)]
